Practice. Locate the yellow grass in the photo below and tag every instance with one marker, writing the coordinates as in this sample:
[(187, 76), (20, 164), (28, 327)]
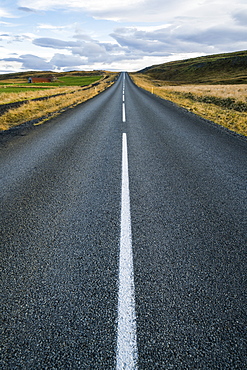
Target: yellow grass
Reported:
[(52, 106), (237, 92), (6, 98), (233, 120)]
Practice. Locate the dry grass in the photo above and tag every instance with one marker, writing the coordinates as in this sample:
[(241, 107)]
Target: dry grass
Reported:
[(230, 118), (237, 92), (6, 98), (52, 106), (11, 81)]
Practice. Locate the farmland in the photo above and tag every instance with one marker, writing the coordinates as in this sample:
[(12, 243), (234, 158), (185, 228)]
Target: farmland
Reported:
[(18, 85), (22, 102)]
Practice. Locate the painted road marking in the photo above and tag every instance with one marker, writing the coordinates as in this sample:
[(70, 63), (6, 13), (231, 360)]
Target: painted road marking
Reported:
[(124, 114), (126, 334)]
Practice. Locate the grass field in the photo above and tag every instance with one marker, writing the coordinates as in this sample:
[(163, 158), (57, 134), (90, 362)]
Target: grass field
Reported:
[(18, 85), (10, 96), (17, 89), (212, 86), (75, 80), (225, 105), (228, 68), (75, 90)]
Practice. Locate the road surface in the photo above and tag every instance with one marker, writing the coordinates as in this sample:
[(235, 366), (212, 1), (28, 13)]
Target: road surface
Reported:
[(123, 239)]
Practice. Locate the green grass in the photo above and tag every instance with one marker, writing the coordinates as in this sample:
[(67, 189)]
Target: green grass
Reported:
[(11, 89), (19, 86), (71, 81), (76, 81)]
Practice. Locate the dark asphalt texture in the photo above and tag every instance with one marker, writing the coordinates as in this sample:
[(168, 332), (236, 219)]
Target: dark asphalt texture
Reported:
[(60, 230)]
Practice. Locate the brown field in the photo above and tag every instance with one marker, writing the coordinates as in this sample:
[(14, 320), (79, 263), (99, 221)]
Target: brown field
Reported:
[(51, 107), (225, 105)]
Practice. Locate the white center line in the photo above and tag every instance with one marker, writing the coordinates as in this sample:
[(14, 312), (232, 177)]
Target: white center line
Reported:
[(124, 114), (126, 336)]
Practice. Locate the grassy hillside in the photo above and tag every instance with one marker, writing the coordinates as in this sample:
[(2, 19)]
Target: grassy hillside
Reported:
[(228, 68), (213, 87), (20, 76)]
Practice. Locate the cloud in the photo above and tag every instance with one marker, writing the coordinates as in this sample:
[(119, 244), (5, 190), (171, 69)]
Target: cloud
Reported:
[(83, 37), (5, 13), (91, 50), (30, 61), (55, 43), (156, 29), (93, 5), (144, 41), (65, 62), (139, 10), (128, 10), (181, 36), (61, 60), (117, 10), (25, 9), (86, 47), (21, 38), (241, 17), (158, 42), (52, 27), (216, 36), (12, 38), (97, 52)]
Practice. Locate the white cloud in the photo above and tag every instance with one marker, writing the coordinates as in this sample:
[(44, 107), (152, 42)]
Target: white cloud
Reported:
[(140, 10), (62, 60), (5, 13), (44, 26), (92, 5), (82, 37)]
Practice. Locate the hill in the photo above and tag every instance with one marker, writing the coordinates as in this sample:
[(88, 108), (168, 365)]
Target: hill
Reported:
[(24, 75), (230, 68)]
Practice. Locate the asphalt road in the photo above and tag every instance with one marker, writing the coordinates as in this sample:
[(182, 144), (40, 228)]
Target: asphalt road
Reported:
[(60, 230)]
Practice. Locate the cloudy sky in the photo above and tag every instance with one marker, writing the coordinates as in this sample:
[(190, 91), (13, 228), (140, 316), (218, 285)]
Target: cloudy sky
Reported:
[(63, 35)]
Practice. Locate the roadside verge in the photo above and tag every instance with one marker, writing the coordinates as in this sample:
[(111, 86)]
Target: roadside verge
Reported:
[(37, 111), (225, 105)]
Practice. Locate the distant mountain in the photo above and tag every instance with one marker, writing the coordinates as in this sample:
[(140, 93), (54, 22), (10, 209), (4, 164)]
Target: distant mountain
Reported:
[(230, 68)]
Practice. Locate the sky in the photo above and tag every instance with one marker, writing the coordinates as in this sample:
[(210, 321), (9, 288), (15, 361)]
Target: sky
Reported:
[(116, 35)]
